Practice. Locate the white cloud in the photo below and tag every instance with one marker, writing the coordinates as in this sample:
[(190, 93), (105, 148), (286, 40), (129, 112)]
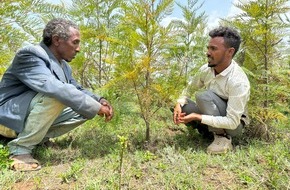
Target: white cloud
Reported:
[(165, 22), (64, 2), (213, 20), (233, 9)]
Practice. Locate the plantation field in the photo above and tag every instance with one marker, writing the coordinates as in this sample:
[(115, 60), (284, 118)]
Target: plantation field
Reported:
[(141, 65), (111, 156)]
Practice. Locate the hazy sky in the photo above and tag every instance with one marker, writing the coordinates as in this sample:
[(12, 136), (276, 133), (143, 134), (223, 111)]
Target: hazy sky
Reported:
[(215, 9)]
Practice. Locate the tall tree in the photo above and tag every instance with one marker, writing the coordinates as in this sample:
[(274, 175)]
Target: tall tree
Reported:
[(190, 43), (22, 21), (186, 53), (140, 64), (263, 31), (97, 19)]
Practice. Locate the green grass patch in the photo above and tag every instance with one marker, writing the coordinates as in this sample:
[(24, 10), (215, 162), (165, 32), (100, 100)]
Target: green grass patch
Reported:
[(90, 158)]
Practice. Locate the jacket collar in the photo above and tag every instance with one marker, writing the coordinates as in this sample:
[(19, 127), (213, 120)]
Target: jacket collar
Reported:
[(56, 66), (49, 53)]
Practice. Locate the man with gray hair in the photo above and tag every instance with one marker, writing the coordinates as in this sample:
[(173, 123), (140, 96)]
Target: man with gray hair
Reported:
[(40, 99), (219, 109)]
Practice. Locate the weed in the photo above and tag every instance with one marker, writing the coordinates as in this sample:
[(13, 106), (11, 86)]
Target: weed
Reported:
[(73, 173), (148, 156), (123, 142), (4, 154), (100, 159)]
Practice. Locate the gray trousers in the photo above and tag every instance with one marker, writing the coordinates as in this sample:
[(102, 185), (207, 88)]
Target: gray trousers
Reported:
[(209, 103), (48, 118)]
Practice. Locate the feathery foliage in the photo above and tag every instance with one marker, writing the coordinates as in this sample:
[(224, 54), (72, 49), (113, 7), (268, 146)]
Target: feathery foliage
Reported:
[(97, 20), (261, 54), (140, 63), (22, 20), (127, 51), (188, 49)]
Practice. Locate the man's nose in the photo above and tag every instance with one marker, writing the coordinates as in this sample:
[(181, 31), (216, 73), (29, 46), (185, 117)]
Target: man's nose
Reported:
[(78, 49)]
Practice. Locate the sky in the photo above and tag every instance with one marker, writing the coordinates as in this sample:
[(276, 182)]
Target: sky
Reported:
[(215, 9)]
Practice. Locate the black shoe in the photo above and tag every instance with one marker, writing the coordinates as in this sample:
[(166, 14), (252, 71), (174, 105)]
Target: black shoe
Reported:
[(203, 130)]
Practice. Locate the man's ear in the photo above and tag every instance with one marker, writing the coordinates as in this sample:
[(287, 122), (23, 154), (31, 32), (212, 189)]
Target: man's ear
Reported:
[(55, 40), (231, 51)]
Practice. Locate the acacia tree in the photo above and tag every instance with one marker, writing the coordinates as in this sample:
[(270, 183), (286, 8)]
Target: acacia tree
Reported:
[(262, 31), (22, 21), (188, 48), (97, 20), (139, 63)]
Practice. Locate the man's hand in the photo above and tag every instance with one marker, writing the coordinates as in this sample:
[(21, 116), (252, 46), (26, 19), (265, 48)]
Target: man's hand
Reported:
[(179, 117), (106, 110), (176, 113), (190, 117)]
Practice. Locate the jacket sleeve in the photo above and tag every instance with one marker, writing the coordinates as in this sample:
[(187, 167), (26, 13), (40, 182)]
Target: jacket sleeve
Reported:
[(32, 67), (78, 86)]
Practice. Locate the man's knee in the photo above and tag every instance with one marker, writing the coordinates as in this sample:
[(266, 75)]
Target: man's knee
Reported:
[(206, 104), (203, 96), (211, 104), (46, 103), (190, 107)]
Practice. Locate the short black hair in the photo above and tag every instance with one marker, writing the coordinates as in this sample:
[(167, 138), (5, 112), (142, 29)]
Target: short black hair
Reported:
[(59, 27), (231, 36)]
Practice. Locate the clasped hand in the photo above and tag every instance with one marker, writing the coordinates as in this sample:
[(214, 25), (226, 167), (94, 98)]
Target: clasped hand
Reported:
[(106, 110), (181, 117)]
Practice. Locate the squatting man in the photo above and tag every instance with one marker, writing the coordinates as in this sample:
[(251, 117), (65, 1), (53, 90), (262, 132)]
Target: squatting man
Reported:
[(40, 99), (223, 90)]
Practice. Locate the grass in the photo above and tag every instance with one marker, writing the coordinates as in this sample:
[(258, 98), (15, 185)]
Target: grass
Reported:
[(89, 158)]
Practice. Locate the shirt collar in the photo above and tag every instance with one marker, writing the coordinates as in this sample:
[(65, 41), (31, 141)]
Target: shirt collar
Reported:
[(228, 69)]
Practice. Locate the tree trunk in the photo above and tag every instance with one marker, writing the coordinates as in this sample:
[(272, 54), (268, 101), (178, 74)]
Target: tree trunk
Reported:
[(100, 63), (147, 130)]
